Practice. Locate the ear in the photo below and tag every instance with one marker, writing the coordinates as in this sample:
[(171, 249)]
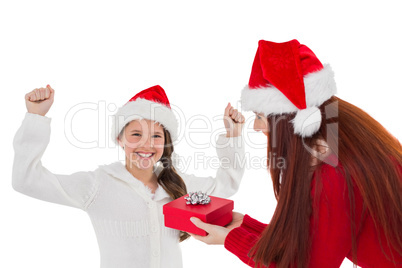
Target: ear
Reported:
[(121, 143)]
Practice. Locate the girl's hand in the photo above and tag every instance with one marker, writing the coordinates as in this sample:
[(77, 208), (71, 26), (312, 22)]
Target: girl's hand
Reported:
[(216, 234), (39, 100), (233, 121)]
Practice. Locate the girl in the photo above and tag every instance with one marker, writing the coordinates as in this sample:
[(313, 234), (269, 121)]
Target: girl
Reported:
[(339, 194), (124, 202)]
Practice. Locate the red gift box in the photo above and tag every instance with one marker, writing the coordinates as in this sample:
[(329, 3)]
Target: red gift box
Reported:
[(178, 213)]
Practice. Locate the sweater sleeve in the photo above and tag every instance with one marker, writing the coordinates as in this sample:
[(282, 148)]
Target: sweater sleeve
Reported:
[(253, 226), (229, 174), (29, 177), (240, 240)]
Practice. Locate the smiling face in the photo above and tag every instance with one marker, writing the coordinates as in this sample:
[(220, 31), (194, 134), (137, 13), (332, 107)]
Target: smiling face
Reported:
[(261, 123), (143, 143)]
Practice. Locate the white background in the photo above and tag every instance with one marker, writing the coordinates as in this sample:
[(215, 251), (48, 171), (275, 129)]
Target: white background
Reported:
[(103, 52)]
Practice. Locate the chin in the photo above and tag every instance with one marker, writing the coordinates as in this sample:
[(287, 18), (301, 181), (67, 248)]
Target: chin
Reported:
[(149, 164), (145, 168)]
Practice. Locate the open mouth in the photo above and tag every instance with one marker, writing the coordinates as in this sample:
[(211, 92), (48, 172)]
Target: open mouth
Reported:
[(145, 155)]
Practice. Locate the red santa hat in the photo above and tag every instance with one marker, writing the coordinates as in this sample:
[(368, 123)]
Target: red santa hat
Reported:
[(151, 103), (286, 78)]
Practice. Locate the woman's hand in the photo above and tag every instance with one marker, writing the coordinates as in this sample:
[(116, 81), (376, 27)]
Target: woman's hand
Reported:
[(236, 221), (233, 121), (39, 100), (216, 234)]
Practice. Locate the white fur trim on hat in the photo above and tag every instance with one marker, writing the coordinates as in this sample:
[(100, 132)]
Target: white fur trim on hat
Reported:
[(144, 109), (307, 121), (319, 87)]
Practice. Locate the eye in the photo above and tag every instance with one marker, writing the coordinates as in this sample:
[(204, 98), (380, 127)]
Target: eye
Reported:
[(157, 136), (136, 134), (258, 117)]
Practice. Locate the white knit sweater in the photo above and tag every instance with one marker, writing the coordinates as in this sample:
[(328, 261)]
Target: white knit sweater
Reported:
[(126, 216)]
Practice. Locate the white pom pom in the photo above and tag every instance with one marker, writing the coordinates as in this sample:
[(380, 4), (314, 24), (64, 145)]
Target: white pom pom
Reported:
[(307, 122)]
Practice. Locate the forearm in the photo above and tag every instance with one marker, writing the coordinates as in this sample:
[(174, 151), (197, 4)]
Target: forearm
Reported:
[(231, 157), (240, 242), (252, 225), (229, 174)]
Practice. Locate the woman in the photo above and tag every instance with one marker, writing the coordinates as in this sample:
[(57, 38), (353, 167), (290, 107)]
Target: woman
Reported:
[(339, 194), (124, 202)]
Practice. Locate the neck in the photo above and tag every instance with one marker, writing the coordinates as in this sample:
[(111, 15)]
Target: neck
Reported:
[(146, 176)]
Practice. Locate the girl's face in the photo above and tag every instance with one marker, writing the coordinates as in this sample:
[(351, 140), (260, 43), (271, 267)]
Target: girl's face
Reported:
[(143, 143), (261, 123)]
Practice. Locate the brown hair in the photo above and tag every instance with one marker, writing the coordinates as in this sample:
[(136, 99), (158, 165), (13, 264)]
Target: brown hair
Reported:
[(370, 158), (169, 179)]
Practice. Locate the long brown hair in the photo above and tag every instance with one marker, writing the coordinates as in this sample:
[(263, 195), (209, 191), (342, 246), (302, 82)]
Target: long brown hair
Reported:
[(169, 179), (369, 157)]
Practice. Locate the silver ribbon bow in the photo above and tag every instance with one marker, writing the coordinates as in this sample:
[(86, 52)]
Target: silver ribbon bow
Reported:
[(197, 198)]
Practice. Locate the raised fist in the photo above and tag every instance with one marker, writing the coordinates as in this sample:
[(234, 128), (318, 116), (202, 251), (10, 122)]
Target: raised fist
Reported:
[(233, 121), (39, 100)]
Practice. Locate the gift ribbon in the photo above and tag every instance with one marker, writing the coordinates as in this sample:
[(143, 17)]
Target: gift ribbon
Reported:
[(197, 198)]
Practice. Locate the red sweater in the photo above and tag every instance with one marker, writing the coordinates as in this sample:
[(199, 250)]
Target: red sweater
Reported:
[(331, 232)]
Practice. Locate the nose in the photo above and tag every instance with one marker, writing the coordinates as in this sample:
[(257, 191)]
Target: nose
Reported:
[(146, 141)]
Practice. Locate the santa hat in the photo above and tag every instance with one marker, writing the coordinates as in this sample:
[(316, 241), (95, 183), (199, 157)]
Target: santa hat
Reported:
[(286, 78), (151, 103)]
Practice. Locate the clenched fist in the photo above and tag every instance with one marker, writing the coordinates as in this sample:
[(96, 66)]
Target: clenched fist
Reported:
[(39, 100), (233, 121)]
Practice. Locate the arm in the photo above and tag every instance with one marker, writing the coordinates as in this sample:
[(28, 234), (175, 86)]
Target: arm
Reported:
[(31, 178), (253, 226), (230, 150), (239, 237), (241, 240)]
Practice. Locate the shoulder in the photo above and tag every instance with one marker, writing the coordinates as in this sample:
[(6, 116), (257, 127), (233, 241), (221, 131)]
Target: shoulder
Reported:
[(115, 167), (330, 168), (329, 178), (113, 170)]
